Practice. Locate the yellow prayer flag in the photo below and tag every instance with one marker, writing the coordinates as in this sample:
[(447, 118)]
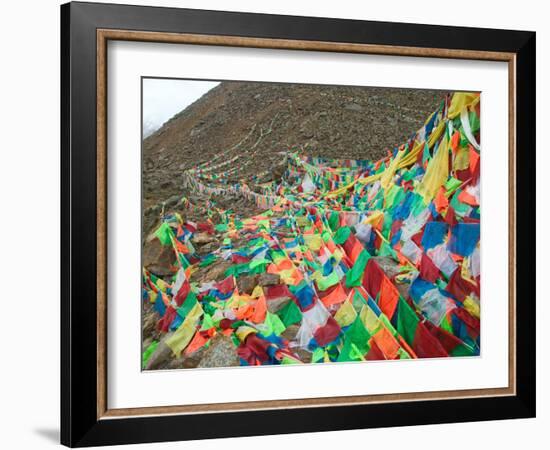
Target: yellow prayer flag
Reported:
[(346, 314), (369, 319), (183, 335), (460, 101), (313, 241), (436, 174), (471, 306)]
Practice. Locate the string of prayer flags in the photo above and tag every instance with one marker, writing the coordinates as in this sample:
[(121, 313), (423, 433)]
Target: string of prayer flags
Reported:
[(350, 260)]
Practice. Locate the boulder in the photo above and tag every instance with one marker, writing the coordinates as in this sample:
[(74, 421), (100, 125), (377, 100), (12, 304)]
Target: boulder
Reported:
[(389, 266), (150, 320), (269, 279), (202, 238), (172, 201), (187, 362), (221, 353), (209, 248), (290, 333), (157, 258), (247, 283), (161, 356), (276, 304), (303, 355), (214, 272), (403, 289), (353, 107)]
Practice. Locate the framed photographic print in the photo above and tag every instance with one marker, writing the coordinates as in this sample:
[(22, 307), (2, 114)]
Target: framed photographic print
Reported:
[(276, 224)]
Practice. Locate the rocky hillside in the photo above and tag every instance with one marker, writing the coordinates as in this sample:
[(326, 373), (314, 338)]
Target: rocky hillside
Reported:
[(332, 122)]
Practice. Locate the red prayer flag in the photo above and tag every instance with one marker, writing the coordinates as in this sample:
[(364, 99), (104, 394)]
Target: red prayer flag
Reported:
[(372, 279), (460, 287), (428, 270), (327, 333), (389, 296), (335, 295), (425, 345), (182, 293), (277, 291), (225, 286), (374, 354)]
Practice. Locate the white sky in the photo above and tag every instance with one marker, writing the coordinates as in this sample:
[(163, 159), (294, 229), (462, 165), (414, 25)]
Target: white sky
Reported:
[(162, 99)]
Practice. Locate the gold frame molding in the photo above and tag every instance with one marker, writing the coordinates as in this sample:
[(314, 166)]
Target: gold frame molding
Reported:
[(103, 36)]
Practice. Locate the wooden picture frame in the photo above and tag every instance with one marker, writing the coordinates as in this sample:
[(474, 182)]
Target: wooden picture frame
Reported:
[(85, 417)]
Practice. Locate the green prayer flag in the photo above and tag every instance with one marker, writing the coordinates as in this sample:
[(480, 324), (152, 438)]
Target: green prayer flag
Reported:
[(287, 360), (323, 283), (333, 221), (256, 262), (474, 122), (290, 314), (407, 321), (347, 353), (207, 322), (354, 276), (188, 304), (341, 235), (403, 354), (260, 268), (183, 261), (148, 352), (462, 350), (425, 153), (318, 355), (386, 250), (445, 325), (221, 227), (452, 184), (459, 207), (384, 319), (237, 269), (164, 234), (211, 258), (273, 324), (358, 334)]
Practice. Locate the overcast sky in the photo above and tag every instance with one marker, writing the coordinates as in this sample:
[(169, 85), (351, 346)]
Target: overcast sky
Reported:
[(162, 99)]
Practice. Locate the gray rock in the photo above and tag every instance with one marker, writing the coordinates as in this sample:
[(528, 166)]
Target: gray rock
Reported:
[(276, 304), (353, 107), (403, 289), (247, 283), (158, 258), (290, 333), (303, 355), (202, 238), (187, 362), (150, 320), (161, 356), (173, 200), (388, 265), (221, 353), (209, 248), (269, 279), (214, 272)]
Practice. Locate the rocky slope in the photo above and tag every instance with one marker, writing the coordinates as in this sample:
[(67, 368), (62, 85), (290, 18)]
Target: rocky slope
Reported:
[(327, 121)]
